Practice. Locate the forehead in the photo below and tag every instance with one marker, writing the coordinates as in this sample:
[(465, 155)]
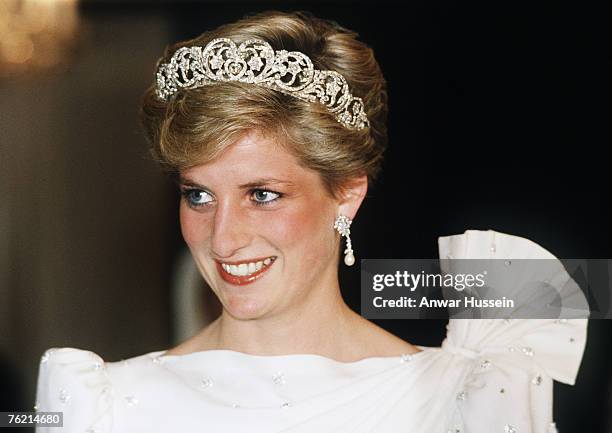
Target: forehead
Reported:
[(253, 154)]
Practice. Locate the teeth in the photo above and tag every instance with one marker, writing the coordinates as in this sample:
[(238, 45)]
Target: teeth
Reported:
[(245, 268)]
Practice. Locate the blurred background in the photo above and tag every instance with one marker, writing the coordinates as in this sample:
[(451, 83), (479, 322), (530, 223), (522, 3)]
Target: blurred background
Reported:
[(499, 119)]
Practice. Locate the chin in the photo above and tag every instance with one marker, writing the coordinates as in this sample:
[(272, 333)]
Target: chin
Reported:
[(244, 307)]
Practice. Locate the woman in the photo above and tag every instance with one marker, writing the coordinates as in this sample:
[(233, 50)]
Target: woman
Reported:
[(275, 126)]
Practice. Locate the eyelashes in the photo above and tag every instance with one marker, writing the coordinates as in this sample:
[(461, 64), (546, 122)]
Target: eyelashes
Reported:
[(267, 193), (197, 198), (193, 197)]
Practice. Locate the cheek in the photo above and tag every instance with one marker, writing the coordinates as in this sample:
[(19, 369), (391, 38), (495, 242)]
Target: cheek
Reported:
[(307, 230), (192, 226)]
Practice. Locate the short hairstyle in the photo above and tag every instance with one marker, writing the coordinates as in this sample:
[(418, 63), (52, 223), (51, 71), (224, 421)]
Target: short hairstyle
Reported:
[(196, 125)]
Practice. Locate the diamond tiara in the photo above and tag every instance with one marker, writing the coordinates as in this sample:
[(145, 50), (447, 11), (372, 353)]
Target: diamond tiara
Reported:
[(254, 61)]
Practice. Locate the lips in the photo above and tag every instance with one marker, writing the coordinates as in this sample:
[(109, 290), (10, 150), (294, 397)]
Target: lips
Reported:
[(241, 280)]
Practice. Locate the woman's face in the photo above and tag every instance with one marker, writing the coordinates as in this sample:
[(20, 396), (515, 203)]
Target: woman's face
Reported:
[(254, 210)]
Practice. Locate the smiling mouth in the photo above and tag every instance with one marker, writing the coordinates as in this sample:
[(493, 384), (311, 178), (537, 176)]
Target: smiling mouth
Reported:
[(244, 272)]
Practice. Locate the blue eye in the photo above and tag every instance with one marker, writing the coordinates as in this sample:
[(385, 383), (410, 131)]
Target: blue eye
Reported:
[(264, 196), (196, 197)]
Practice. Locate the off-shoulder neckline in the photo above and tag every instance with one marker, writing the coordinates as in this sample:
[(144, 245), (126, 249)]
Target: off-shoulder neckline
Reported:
[(293, 356)]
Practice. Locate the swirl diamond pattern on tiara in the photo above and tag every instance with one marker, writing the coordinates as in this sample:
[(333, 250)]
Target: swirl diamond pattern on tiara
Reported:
[(254, 61)]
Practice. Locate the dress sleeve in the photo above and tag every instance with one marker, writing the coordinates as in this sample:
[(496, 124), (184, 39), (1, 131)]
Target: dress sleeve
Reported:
[(507, 386), (75, 382)]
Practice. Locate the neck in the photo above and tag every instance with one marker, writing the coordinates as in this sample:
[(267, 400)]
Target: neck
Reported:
[(321, 325)]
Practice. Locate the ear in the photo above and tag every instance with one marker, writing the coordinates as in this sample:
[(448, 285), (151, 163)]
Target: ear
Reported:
[(352, 194)]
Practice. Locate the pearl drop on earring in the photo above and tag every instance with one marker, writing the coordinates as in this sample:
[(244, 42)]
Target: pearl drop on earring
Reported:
[(349, 259), (342, 225)]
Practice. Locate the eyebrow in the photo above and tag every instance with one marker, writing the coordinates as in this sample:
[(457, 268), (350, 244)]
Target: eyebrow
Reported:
[(254, 184)]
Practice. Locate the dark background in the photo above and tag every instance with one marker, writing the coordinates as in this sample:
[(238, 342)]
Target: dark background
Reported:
[(499, 119)]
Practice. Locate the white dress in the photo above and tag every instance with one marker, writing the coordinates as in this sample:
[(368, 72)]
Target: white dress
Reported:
[(489, 376)]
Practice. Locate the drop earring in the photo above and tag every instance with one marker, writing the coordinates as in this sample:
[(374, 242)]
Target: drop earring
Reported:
[(342, 224)]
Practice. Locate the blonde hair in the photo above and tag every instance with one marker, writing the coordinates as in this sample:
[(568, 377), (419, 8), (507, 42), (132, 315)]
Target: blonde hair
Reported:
[(198, 124)]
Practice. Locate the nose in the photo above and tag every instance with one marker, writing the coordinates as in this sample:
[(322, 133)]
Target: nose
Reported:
[(230, 230)]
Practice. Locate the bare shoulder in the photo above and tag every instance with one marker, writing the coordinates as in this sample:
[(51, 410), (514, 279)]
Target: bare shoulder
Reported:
[(198, 342), (182, 349), (380, 342)]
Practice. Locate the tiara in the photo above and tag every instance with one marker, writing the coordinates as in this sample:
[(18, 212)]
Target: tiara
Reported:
[(254, 61)]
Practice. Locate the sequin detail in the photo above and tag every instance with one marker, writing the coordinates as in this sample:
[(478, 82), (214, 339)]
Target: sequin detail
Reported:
[(64, 396), (406, 357), (278, 379), (131, 400), (207, 382)]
